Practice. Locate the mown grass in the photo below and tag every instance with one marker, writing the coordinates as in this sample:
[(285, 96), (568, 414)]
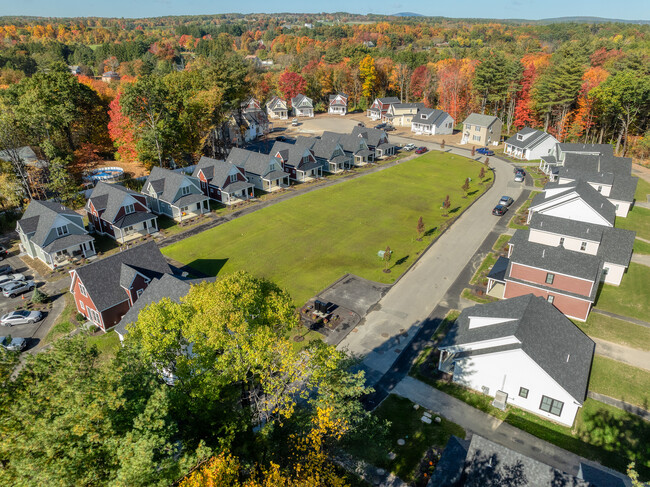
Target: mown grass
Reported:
[(484, 268), (309, 241), (632, 297), (501, 242), (107, 344), (620, 381), (638, 220), (641, 247), (642, 190), (468, 294), (616, 331), (65, 323)]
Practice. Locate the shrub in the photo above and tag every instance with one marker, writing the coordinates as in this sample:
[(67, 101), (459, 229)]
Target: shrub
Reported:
[(39, 296), (80, 318)]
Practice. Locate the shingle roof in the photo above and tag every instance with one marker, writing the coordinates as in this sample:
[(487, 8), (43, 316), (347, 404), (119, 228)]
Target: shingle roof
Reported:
[(605, 149), (167, 183), (111, 198), (299, 99), (349, 142), (589, 195), (481, 120), (134, 218), (334, 101), (276, 103), (66, 242), (434, 116), (215, 170), (373, 136), (325, 146), (102, 278), (558, 346), (253, 162), (624, 188), (389, 100), (292, 153), (535, 137), (40, 216)]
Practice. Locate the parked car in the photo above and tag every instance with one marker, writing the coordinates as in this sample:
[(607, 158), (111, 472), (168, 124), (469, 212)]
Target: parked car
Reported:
[(520, 175), (281, 138), (12, 277), (506, 201), (13, 344), (295, 122), (389, 128), (421, 150), (499, 210), (21, 317), (380, 125), (361, 124), (5, 269), (485, 151), (14, 288), (3, 252), (408, 147)]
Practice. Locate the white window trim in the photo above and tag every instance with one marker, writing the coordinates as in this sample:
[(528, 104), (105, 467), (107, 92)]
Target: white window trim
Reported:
[(82, 290)]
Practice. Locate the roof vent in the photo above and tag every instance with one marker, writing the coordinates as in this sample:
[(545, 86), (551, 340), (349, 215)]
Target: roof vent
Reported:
[(568, 356), (543, 253)]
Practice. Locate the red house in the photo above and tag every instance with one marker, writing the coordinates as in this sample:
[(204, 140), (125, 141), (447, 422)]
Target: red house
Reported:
[(106, 289), (380, 106), (223, 181)]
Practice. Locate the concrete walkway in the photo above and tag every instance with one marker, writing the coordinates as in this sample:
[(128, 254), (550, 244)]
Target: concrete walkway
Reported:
[(617, 403), (397, 318), (621, 353), (642, 259), (621, 317), (487, 426)]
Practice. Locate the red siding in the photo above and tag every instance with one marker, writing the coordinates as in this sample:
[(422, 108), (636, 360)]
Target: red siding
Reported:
[(568, 305), (86, 300), (560, 282), (138, 283), (112, 316)]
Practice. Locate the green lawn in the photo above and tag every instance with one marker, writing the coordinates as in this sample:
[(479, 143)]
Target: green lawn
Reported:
[(309, 241), (638, 220), (621, 381), (65, 323), (642, 190), (405, 423), (641, 247), (632, 297), (108, 344), (468, 294), (484, 268), (616, 331), (501, 242)]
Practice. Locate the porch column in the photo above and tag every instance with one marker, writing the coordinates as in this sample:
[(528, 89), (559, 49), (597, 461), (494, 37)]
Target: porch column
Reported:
[(122, 235), (155, 223), (92, 245)]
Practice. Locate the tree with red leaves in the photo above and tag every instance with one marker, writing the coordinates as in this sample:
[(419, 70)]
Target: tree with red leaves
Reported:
[(290, 84), (421, 83), (121, 130), (523, 111)]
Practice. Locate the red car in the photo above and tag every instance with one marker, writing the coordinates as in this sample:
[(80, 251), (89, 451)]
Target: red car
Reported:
[(421, 150)]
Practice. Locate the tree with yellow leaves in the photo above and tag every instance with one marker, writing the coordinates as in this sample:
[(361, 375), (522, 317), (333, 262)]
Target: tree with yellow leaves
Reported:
[(368, 75)]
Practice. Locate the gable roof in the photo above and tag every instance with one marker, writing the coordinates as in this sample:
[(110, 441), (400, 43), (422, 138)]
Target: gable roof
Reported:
[(433, 116), (549, 338), (215, 170), (533, 139), (253, 162), (41, 215), (340, 99), (292, 153), (595, 200), (103, 279), (166, 183), (388, 100), (373, 136), (325, 146), (348, 142), (605, 149), (276, 103), (480, 120), (110, 198), (300, 99)]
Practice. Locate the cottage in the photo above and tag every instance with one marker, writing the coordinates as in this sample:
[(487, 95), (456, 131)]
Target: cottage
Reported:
[(247, 125), (110, 76), (530, 144), (377, 141), (380, 106), (330, 153), (338, 104), (277, 108), (555, 159), (297, 159), (120, 213), (263, 170), (521, 351), (105, 290), (54, 234), (302, 106), (223, 181), (429, 121), (401, 114), (251, 105), (174, 194), (355, 148), (481, 130)]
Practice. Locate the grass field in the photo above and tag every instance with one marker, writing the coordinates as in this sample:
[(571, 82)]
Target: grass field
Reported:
[(641, 247), (481, 273), (632, 297), (642, 190), (307, 242), (621, 381), (501, 242), (638, 220), (616, 331)]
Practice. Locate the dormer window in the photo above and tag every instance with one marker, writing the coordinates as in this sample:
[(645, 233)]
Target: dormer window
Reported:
[(583, 246), (63, 230), (600, 189), (185, 190), (128, 209), (233, 178), (520, 137)]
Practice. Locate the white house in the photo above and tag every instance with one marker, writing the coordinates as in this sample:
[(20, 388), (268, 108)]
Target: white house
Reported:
[(338, 104), (530, 144), (523, 352), (430, 121), (302, 106), (277, 108)]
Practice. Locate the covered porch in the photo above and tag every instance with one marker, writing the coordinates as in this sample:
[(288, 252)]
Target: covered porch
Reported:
[(337, 110), (421, 129), (309, 172), (363, 157), (237, 193), (134, 226), (275, 181), (385, 150), (496, 278), (191, 206), (338, 164), (69, 249), (373, 114), (515, 152)]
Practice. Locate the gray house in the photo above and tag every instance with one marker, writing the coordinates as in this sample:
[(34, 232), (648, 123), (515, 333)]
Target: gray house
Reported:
[(302, 106), (263, 170), (431, 121), (222, 181), (54, 234), (529, 144), (174, 194), (330, 153), (355, 148), (376, 139), (298, 160)]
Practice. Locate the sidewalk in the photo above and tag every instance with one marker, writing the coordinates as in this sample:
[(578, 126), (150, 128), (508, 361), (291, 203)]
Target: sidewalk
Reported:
[(642, 259), (487, 426), (621, 317), (621, 353)]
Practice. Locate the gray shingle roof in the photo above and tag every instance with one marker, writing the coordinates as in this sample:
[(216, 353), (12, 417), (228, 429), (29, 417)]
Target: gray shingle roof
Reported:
[(589, 195), (605, 149), (216, 171), (325, 146), (134, 218), (301, 99), (624, 188), (66, 242), (253, 162), (433, 116), (373, 136), (40, 216), (333, 99), (498, 271), (111, 198), (389, 100), (481, 120), (167, 183), (616, 246), (349, 142), (292, 153), (275, 104), (558, 346), (535, 137), (102, 277)]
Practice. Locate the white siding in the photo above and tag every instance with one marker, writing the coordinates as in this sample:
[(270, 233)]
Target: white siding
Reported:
[(614, 273), (542, 149), (622, 207), (577, 210), (498, 342), (507, 372), (570, 243)]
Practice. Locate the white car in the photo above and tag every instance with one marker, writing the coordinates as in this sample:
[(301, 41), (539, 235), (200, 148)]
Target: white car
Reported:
[(295, 122), (409, 147), (21, 317), (11, 277)]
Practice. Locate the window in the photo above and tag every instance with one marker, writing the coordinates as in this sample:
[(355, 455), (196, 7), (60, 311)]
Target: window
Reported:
[(185, 190), (82, 289), (61, 231), (605, 271), (523, 392), (550, 299), (600, 189), (477, 128), (476, 137), (128, 209), (94, 316), (520, 137), (583, 246), (561, 240), (139, 292), (549, 278), (551, 405), (81, 306), (616, 206), (233, 178)]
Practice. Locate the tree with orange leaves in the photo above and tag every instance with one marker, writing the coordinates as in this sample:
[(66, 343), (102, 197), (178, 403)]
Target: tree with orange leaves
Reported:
[(121, 131), (455, 85)]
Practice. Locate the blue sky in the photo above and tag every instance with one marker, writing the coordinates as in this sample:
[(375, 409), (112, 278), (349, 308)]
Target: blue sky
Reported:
[(529, 9)]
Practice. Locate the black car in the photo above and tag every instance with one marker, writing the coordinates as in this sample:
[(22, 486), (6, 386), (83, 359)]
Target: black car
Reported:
[(389, 128), (5, 269), (499, 210), (361, 124), (281, 138), (380, 126), (3, 252)]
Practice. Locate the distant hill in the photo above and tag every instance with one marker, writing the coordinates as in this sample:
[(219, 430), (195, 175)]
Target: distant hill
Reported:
[(407, 14), (584, 20)]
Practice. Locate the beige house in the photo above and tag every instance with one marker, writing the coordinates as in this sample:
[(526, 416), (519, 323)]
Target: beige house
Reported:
[(482, 130), (401, 114)]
